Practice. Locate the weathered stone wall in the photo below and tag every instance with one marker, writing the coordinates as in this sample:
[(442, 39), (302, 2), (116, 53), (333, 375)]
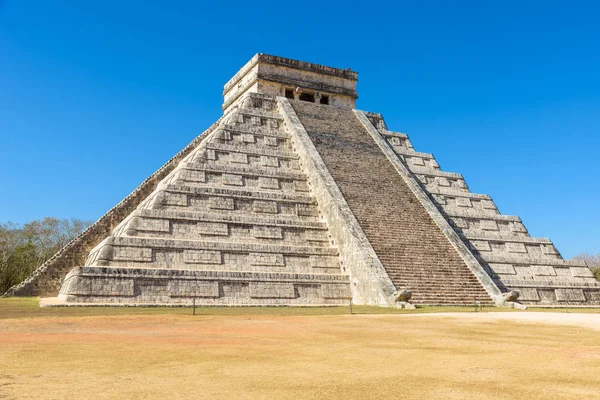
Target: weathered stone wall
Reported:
[(47, 279)]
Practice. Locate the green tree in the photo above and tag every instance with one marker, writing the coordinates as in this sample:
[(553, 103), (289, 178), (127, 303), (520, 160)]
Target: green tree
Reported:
[(24, 248)]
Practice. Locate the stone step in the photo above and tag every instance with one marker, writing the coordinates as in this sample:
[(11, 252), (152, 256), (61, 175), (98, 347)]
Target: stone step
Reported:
[(448, 191), (250, 170), (180, 244), (523, 259), (230, 218), (498, 237), (258, 130), (250, 149), (241, 194), (256, 112), (435, 173), (219, 288), (403, 151), (227, 229), (478, 214), (554, 284), (393, 134)]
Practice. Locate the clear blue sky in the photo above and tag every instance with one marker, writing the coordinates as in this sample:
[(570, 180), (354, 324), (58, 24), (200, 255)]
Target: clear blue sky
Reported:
[(95, 96)]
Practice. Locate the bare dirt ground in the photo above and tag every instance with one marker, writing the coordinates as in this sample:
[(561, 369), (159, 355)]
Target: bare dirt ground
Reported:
[(409, 356)]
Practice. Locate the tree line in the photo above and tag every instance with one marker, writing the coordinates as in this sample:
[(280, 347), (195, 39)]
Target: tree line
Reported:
[(25, 247)]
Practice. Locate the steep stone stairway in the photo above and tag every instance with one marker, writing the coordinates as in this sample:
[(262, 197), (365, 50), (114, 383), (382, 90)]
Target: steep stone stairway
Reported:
[(412, 248)]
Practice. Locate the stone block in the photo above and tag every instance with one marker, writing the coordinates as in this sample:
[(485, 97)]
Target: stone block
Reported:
[(153, 225), (463, 202), (190, 288), (318, 262), (581, 272), (175, 199), (213, 228), (194, 176), (110, 287), (564, 273), (569, 295), (301, 186), (238, 158), (488, 205), (263, 290), (270, 141), (268, 161), (221, 203), (518, 227), (515, 247), (132, 254), (306, 210), (315, 235), (247, 137), (268, 207), (268, 183), (441, 181), (267, 259), (211, 154), (225, 135), (461, 223), (417, 161), (488, 225), (481, 245), (549, 249), (530, 294), (232, 180), (543, 270), (335, 291), (268, 232), (524, 272), (504, 269), (202, 257)]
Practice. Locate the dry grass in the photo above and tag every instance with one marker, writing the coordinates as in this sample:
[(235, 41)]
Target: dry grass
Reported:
[(278, 354)]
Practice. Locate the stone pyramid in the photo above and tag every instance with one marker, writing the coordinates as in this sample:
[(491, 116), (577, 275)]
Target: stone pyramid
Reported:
[(294, 197)]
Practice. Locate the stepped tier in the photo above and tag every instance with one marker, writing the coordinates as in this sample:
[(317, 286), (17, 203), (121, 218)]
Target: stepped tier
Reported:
[(167, 286)]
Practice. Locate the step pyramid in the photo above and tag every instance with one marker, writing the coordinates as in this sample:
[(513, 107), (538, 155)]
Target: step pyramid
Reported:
[(296, 198)]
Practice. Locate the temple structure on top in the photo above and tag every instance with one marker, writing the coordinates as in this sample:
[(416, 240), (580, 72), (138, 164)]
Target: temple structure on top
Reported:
[(294, 197), (295, 80)]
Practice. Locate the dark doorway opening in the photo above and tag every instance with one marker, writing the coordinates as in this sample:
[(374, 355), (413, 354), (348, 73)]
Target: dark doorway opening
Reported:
[(307, 97)]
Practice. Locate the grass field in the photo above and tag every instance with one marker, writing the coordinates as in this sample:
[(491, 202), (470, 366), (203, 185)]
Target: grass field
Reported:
[(281, 353)]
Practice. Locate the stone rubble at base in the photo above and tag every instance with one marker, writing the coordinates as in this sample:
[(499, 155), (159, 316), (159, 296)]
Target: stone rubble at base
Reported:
[(294, 198)]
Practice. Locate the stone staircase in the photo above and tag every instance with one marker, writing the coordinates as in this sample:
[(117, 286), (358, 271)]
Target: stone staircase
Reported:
[(234, 224), (412, 248), (501, 243)]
